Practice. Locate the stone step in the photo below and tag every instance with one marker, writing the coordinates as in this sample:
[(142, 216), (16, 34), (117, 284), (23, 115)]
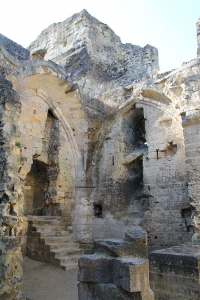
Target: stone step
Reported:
[(44, 222), (54, 234), (64, 260), (70, 245), (61, 242), (67, 252), (51, 240), (68, 267), (48, 228), (43, 218)]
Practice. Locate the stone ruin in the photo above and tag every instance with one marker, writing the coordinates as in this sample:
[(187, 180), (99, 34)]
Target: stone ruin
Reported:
[(99, 155)]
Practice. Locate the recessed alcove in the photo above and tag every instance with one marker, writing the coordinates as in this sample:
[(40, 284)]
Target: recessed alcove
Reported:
[(34, 188)]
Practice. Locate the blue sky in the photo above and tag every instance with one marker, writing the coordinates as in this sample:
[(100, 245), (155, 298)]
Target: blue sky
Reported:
[(169, 25)]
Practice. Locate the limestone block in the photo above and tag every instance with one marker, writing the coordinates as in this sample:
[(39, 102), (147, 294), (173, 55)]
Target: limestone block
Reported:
[(84, 291), (138, 234), (111, 291), (119, 247), (131, 273), (95, 268), (102, 291), (176, 271)]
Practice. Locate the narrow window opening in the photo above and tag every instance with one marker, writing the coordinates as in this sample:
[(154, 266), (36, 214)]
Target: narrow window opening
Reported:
[(113, 161), (157, 150), (98, 210)]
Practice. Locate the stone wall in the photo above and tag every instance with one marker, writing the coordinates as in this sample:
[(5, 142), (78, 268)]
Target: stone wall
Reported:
[(139, 168), (174, 272), (11, 206), (14, 49), (85, 46)]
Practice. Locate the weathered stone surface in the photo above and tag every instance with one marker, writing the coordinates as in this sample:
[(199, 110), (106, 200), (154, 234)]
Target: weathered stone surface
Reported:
[(175, 271), (95, 268), (137, 235), (131, 273), (14, 49), (105, 292), (117, 247), (98, 138), (124, 277), (82, 47)]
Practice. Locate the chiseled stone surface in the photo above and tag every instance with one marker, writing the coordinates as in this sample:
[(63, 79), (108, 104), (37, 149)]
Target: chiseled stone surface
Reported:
[(174, 272), (115, 270), (131, 273), (81, 46), (105, 292), (95, 268)]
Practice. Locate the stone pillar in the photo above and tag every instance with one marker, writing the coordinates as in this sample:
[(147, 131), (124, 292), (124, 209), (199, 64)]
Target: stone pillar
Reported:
[(198, 37), (10, 200)]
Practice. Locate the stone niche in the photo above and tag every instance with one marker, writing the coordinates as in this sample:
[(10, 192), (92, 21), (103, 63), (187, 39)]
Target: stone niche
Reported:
[(34, 187)]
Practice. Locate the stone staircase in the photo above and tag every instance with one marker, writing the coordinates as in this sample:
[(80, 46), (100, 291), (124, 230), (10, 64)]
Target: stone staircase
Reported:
[(48, 241)]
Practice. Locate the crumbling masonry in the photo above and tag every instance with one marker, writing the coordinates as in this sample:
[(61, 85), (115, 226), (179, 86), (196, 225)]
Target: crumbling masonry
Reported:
[(99, 153)]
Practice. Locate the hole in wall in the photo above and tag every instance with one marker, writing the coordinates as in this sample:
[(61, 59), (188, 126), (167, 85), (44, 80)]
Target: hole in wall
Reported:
[(34, 187), (186, 214), (4, 199), (10, 231), (98, 210), (12, 210), (171, 149)]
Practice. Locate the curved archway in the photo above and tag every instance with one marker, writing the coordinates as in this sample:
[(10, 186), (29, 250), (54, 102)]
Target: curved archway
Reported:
[(163, 166)]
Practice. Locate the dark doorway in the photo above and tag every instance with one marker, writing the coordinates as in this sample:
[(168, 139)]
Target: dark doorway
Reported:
[(35, 183)]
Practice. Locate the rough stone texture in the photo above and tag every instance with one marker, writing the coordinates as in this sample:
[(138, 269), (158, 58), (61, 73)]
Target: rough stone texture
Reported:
[(131, 274), (10, 204), (14, 49), (105, 292), (98, 268), (81, 46), (114, 270), (174, 272), (98, 138)]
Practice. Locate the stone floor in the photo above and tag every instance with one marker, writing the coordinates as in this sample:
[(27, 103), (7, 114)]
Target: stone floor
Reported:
[(46, 282)]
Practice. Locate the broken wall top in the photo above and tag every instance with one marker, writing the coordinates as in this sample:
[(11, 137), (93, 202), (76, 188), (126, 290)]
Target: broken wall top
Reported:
[(14, 49), (81, 43)]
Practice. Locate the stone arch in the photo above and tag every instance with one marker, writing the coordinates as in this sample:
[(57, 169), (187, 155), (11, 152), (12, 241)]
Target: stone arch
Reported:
[(136, 102), (54, 91), (170, 145), (47, 103)]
